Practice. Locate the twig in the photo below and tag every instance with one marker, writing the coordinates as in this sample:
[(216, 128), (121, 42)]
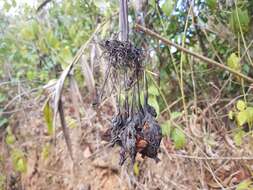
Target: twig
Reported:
[(201, 57), (43, 4), (210, 158)]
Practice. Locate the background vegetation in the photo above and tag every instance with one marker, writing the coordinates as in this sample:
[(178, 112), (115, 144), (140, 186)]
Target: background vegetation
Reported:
[(206, 113)]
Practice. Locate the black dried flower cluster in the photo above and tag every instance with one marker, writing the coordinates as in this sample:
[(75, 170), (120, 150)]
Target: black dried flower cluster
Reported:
[(140, 132), (122, 54), (134, 127)]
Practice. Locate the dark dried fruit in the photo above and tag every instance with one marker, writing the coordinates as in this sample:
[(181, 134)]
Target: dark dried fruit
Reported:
[(153, 135), (140, 133), (134, 127)]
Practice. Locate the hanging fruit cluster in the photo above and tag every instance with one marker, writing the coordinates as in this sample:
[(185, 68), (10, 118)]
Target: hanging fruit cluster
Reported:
[(133, 127)]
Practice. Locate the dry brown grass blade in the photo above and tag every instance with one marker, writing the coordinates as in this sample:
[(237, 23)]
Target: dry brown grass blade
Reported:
[(65, 129), (75, 96), (87, 73), (60, 82)]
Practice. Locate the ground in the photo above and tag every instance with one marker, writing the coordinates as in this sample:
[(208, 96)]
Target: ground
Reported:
[(95, 165)]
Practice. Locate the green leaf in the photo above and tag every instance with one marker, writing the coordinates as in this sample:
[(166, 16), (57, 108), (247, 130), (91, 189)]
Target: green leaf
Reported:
[(29, 30), (2, 181), (65, 57), (2, 97), (136, 169), (175, 115), (211, 4), (244, 185), (153, 102), (166, 128), (152, 3), (10, 139), (52, 40), (31, 75), (250, 116), (234, 62), (46, 151), (179, 138), (231, 115), (48, 116), (242, 117), (241, 105), (7, 6), (18, 160), (153, 90), (3, 121), (42, 46), (21, 165), (14, 3), (167, 7), (238, 137), (242, 19), (72, 123)]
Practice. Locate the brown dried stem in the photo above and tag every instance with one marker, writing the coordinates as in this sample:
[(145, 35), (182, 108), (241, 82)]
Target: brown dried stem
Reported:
[(201, 57)]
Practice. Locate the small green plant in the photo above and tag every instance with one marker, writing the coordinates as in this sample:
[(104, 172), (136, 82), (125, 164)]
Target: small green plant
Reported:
[(19, 161), (10, 138), (46, 150), (245, 185), (2, 182), (48, 117), (243, 116), (175, 133)]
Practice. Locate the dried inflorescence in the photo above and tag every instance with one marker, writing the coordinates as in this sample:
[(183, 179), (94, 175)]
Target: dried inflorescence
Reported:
[(136, 130), (122, 55), (140, 132)]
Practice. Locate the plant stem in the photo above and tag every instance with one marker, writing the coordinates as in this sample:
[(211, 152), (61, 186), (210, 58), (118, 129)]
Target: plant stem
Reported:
[(201, 57)]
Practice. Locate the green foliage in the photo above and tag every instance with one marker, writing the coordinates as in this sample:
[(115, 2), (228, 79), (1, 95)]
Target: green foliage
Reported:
[(234, 62), (10, 138), (167, 7), (153, 90), (153, 102), (46, 151), (238, 137), (231, 115), (178, 138), (245, 185), (176, 133), (3, 121), (175, 115), (243, 114), (18, 160), (136, 169), (242, 117), (239, 19), (211, 4), (71, 122), (48, 117), (2, 182), (241, 105), (166, 128)]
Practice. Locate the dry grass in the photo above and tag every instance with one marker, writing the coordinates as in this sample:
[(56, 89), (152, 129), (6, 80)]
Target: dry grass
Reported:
[(209, 161)]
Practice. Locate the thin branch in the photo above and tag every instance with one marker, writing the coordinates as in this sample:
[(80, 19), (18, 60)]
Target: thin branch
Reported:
[(201, 57), (43, 4), (210, 158)]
